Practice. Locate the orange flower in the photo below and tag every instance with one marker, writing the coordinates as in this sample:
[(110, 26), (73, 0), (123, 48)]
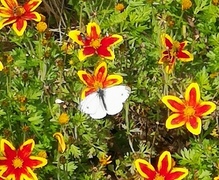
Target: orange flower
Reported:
[(41, 26), (104, 160), (93, 43), (165, 169), (19, 164), (189, 111), (63, 118), (120, 7), (173, 50), (186, 4), (98, 80), (13, 13)]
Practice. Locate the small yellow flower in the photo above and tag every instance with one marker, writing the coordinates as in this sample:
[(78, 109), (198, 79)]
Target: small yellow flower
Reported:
[(25, 128), (71, 62), (186, 4), (22, 99), (214, 133), (215, 2), (61, 142), (213, 75), (104, 160), (41, 27), (42, 154), (9, 59), (67, 47), (120, 7), (22, 108), (63, 118)]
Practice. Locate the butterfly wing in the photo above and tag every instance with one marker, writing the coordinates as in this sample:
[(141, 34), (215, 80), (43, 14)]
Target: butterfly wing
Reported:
[(114, 98), (93, 105)]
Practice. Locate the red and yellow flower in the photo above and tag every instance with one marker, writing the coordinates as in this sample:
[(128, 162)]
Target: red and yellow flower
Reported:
[(98, 80), (19, 164), (92, 42), (188, 111), (17, 15), (165, 169), (173, 50)]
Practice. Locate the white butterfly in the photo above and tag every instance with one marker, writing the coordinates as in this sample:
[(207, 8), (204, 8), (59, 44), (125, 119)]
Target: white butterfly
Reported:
[(105, 101)]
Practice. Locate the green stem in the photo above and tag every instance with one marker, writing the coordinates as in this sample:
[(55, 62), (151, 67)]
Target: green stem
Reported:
[(8, 86), (127, 126), (166, 82), (58, 166), (153, 141), (80, 18), (105, 12)]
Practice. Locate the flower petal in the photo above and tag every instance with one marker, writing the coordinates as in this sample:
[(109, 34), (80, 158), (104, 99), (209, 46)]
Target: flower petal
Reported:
[(3, 169), (216, 178), (100, 72), (28, 175), (93, 30), (145, 169), (165, 57), (205, 108), (32, 16), (194, 124), (7, 149), (112, 80), (86, 78), (31, 5), (183, 45), (61, 142), (184, 56), (167, 41), (164, 163), (86, 52), (37, 162), (76, 37), (5, 12), (175, 120), (105, 52), (173, 103), (19, 26), (192, 94), (169, 68), (1, 66), (86, 91), (10, 4), (26, 148), (177, 174), (7, 21), (111, 40)]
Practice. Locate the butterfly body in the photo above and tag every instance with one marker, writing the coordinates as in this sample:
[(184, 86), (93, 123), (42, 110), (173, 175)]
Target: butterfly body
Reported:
[(105, 101)]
